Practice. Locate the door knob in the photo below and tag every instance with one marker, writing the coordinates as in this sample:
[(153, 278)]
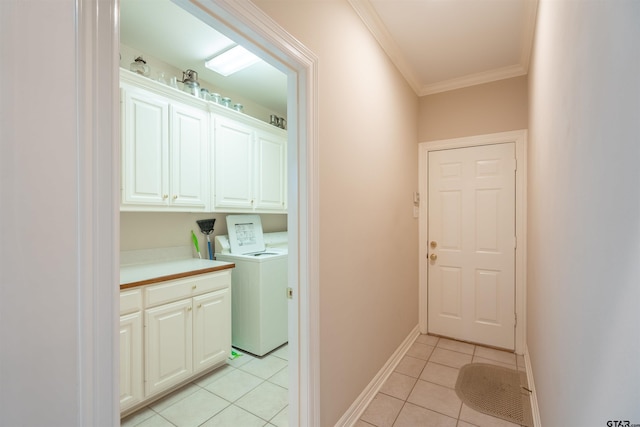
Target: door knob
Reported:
[(433, 244), (433, 257)]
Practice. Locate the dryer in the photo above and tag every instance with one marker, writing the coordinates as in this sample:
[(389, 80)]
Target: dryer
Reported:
[(258, 283)]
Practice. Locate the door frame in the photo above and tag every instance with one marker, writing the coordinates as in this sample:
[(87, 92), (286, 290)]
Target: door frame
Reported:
[(97, 46), (519, 137)]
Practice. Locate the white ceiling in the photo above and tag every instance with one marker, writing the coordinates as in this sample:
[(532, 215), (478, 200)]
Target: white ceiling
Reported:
[(441, 45), (163, 30), (437, 45)]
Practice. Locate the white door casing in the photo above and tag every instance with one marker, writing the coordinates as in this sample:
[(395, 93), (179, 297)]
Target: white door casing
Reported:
[(471, 233), (518, 138)]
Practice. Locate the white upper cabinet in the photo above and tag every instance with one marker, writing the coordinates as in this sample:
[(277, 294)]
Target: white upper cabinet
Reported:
[(271, 171), (145, 148), (249, 167), (165, 152), (179, 151), (233, 164), (189, 157)]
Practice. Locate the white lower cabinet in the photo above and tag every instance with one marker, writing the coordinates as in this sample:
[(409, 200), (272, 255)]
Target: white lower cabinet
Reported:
[(169, 345), (130, 360), (131, 379), (211, 343), (187, 330), (250, 167)]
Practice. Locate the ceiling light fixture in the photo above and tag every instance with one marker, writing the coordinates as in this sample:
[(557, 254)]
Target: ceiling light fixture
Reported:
[(231, 61)]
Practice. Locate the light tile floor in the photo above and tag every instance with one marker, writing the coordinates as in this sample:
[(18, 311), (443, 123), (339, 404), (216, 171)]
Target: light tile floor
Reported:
[(252, 391), (421, 390), (246, 392)]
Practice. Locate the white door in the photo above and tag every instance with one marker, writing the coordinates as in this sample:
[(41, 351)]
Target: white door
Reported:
[(471, 238)]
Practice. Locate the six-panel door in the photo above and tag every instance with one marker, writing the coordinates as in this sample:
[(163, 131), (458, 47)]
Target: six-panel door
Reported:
[(471, 233)]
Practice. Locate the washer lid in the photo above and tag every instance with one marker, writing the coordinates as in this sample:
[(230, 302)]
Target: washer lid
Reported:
[(245, 234)]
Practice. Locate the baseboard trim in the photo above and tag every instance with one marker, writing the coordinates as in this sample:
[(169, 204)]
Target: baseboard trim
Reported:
[(358, 407), (535, 411)]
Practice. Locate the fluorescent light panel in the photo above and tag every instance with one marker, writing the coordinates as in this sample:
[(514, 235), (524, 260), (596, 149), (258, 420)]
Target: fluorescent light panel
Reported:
[(231, 61)]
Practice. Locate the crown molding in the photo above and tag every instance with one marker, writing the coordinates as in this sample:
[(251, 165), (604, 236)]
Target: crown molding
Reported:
[(370, 17), (372, 21), (473, 79), (528, 32)]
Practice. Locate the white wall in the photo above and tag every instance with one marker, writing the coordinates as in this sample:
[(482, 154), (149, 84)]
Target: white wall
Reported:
[(38, 217), (52, 371), (367, 175), (584, 212)]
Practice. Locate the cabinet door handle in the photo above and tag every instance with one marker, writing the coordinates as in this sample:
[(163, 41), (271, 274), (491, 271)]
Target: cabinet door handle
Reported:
[(175, 196), (199, 305), (165, 196), (193, 287), (189, 308)]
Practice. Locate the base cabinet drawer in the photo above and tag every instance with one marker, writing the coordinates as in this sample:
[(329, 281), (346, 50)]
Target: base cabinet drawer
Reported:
[(178, 289)]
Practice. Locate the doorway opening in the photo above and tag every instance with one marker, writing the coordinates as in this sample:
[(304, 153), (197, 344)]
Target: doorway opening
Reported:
[(248, 26)]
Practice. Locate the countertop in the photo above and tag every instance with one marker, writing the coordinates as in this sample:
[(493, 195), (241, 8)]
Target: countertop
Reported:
[(149, 273)]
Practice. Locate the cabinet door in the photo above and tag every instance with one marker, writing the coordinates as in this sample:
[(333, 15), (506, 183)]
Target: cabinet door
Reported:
[(233, 160), (145, 148), (189, 157), (211, 328), (271, 164), (168, 345), (130, 360)]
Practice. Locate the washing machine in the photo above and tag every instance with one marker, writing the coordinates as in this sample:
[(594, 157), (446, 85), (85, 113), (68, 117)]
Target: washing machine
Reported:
[(258, 283)]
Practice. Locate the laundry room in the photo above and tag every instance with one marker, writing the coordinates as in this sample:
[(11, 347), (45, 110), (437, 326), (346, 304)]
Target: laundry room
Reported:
[(203, 213)]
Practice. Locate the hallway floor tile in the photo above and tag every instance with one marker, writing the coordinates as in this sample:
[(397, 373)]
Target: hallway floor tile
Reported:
[(421, 390)]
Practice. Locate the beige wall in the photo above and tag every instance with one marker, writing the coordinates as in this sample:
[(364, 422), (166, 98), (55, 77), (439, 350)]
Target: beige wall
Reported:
[(368, 172), (584, 213), (147, 230), (477, 110)]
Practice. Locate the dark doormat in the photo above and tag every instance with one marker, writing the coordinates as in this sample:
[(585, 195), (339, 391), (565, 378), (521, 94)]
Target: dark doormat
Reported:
[(495, 391)]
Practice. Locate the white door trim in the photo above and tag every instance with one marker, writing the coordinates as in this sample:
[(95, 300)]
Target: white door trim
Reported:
[(519, 137), (98, 237)]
